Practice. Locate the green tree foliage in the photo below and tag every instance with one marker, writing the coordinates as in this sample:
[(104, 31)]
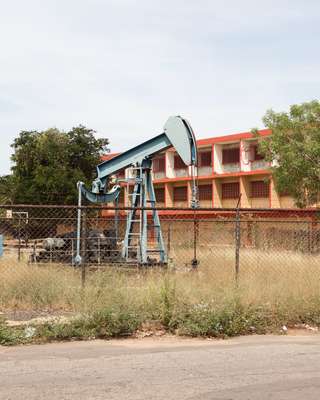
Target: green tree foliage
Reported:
[(294, 150), (6, 189), (48, 164)]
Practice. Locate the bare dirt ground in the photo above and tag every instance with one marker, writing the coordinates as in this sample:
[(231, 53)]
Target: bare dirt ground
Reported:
[(264, 367)]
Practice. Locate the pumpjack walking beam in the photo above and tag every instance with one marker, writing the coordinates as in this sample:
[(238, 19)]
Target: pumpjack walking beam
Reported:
[(177, 133)]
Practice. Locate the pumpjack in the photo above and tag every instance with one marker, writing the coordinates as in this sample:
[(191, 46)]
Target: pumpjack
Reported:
[(178, 133)]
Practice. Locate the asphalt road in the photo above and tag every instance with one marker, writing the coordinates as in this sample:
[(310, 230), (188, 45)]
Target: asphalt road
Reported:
[(265, 367)]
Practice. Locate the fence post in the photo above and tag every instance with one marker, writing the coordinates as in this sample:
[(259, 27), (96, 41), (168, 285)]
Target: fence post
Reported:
[(195, 262), (237, 241), (19, 238), (1, 245), (72, 252), (312, 235), (34, 251), (84, 247), (99, 251)]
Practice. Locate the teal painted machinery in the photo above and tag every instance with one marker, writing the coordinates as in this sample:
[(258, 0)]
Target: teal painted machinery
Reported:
[(177, 133)]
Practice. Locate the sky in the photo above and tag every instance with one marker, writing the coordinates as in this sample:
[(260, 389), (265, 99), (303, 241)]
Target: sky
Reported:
[(123, 67)]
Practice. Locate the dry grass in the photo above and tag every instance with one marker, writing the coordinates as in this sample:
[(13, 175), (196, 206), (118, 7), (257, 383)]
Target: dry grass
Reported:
[(273, 289)]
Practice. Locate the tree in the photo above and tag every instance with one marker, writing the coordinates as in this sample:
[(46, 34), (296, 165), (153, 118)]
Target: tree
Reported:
[(6, 189), (294, 150), (48, 164)]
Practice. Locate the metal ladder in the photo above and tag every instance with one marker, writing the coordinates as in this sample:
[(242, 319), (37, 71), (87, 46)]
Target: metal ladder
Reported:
[(137, 220), (133, 234), (157, 230)]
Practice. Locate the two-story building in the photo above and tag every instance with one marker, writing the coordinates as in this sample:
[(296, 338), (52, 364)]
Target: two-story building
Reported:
[(227, 167)]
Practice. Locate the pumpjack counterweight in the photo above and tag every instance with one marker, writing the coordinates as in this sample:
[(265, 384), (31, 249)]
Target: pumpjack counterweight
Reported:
[(136, 247)]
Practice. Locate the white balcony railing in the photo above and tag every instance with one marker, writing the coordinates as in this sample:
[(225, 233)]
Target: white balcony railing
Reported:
[(226, 168), (180, 172), (204, 171), (159, 175), (259, 164)]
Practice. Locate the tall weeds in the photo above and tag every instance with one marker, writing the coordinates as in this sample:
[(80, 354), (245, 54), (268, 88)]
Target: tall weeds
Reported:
[(205, 302)]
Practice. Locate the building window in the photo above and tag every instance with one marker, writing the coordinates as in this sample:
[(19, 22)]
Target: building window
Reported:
[(205, 192), (230, 190), (178, 163), (231, 156), (180, 193), (205, 159), (159, 164), (256, 156), (259, 189), (121, 174), (159, 192)]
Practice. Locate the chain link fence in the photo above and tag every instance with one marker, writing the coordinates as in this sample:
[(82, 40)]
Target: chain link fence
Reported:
[(232, 244)]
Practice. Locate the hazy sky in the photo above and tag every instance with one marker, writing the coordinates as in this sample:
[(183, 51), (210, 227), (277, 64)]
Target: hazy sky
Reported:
[(122, 67)]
